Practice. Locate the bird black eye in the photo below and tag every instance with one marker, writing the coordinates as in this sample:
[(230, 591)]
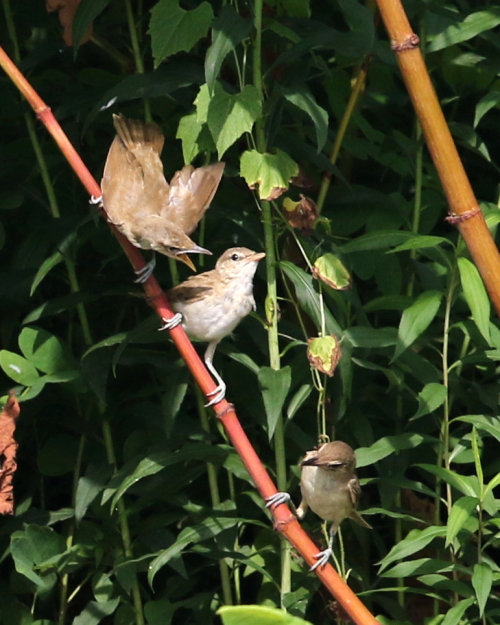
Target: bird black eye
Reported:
[(235, 257)]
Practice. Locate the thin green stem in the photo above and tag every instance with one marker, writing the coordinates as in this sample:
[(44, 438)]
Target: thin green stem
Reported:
[(215, 498), (272, 297), (136, 50)]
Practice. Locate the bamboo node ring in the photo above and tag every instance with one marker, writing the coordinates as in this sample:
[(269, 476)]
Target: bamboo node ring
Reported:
[(458, 219), (410, 43)]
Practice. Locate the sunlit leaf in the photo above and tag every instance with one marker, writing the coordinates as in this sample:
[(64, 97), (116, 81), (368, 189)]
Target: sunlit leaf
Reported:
[(416, 319), (475, 295), (460, 513), (482, 579), (274, 386)]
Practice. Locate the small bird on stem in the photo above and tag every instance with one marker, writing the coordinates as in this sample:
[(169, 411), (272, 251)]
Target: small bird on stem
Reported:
[(211, 304), (329, 487), (150, 212)]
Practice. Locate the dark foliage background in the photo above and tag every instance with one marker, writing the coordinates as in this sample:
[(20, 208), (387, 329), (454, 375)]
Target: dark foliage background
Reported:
[(130, 505)]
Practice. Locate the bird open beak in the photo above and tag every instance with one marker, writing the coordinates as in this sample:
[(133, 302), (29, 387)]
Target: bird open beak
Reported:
[(184, 258)]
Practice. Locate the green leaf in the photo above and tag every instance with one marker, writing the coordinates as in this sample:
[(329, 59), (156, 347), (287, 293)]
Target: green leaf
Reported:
[(491, 425), (413, 542), (172, 29), (44, 350), (45, 268), (482, 579), (95, 611), (57, 306), (34, 547), (487, 102), (361, 336), (460, 482), (89, 486), (18, 368), (475, 295), (302, 98), (330, 270), (309, 299), (377, 240), (416, 319), (274, 386), (454, 615), (209, 528), (460, 513), (420, 566), (386, 446), (85, 14), (228, 30), (419, 242), (257, 615), (272, 172), (298, 399), (229, 116), (430, 398), (472, 25), (195, 137)]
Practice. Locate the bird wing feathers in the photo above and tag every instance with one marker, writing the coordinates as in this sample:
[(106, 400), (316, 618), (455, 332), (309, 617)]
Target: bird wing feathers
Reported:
[(191, 290), (191, 192)]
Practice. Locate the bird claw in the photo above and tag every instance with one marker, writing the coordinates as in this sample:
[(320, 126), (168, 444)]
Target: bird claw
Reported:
[(277, 499), (322, 557), (145, 273), (217, 395), (96, 200), (169, 324)]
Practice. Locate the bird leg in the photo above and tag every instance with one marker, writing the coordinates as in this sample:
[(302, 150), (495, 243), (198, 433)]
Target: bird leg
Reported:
[(96, 200), (219, 392), (323, 556), (277, 499), (145, 273), (169, 324)]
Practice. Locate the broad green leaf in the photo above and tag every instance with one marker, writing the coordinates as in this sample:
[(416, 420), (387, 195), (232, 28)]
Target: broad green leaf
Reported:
[(487, 102), (413, 542), (33, 547), (298, 399), (272, 172), (274, 386), (361, 336), (460, 482), (44, 350), (378, 240), (18, 368), (95, 611), (195, 137), (302, 98), (421, 566), (430, 398), (86, 12), (228, 30), (418, 242), (472, 25), (454, 615), (416, 319), (89, 486), (309, 299), (174, 30), (460, 512), (491, 425), (475, 295), (257, 615), (229, 116), (386, 446), (482, 579), (330, 270), (209, 528)]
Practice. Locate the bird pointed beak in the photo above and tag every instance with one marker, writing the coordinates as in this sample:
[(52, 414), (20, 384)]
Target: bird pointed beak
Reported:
[(255, 257), (184, 258)]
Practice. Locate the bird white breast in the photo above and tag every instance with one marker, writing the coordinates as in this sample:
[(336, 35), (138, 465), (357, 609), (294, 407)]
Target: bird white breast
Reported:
[(212, 318), (325, 494)]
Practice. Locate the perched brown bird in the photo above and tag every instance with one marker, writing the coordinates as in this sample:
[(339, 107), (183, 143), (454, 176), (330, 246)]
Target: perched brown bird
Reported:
[(211, 304), (329, 487), (151, 213)]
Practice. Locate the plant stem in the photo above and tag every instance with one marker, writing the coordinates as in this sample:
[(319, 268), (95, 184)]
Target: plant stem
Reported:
[(134, 40), (215, 498), (272, 298)]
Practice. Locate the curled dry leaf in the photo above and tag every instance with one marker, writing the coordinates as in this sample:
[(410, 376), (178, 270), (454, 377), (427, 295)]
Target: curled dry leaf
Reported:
[(274, 195), (67, 10), (324, 353), (8, 448), (330, 270), (301, 215)]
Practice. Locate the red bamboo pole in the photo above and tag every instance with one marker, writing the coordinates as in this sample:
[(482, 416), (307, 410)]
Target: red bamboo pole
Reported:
[(464, 208), (285, 521)]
